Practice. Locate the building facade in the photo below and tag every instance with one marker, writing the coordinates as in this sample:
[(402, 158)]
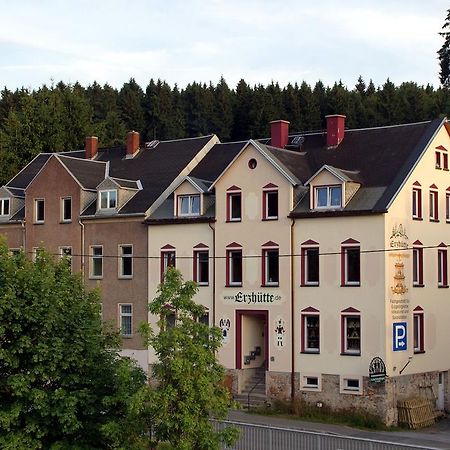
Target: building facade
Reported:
[(321, 256)]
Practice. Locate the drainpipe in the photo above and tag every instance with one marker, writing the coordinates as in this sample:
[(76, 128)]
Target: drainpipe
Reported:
[(82, 248), (214, 274), (292, 315)]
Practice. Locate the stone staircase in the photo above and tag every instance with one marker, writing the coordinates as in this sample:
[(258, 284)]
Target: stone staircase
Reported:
[(254, 392)]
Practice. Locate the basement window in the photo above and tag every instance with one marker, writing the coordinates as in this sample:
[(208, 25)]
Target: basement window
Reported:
[(351, 385)]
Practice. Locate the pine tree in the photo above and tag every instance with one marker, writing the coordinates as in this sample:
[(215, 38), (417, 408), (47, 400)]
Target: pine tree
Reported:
[(131, 104), (242, 106), (222, 116), (444, 53)]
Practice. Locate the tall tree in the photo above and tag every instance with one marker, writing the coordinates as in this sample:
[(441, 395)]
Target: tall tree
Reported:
[(444, 53), (131, 104), (222, 116), (189, 388), (61, 385)]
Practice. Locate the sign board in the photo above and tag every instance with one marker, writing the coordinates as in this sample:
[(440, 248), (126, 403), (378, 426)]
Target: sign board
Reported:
[(399, 337), (253, 298), (377, 370)]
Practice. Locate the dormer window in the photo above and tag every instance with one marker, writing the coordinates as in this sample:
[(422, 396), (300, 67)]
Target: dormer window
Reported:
[(189, 205), (108, 199), (5, 206), (328, 196)]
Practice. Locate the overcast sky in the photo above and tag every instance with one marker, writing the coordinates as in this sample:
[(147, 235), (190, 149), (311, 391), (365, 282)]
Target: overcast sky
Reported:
[(181, 41)]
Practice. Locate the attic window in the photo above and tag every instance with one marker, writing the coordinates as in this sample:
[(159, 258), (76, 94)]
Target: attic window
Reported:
[(188, 205), (4, 206), (328, 196), (108, 199)]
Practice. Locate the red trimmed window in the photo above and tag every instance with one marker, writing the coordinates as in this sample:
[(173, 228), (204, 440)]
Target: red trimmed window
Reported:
[(438, 160), (350, 263), (168, 258), (442, 267), (445, 161), (350, 332), (310, 331), (201, 267), (434, 203), (447, 205), (418, 330), (270, 202), (309, 264), (234, 266), (234, 204), (270, 264), (417, 201), (417, 264)]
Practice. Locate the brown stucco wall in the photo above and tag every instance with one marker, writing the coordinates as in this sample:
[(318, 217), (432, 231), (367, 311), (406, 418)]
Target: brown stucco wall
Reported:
[(53, 183), (110, 233), (13, 234)]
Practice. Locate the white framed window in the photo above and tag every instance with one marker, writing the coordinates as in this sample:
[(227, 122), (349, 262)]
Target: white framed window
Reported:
[(434, 206), (328, 196), (168, 259), (310, 266), (65, 253), (310, 382), (310, 333), (350, 384), (108, 199), (39, 210), (351, 334), (126, 319), (66, 209), (447, 206), (270, 269), (234, 206), (442, 268), (417, 202), (234, 267), (189, 205), (351, 270), (96, 261), (5, 206), (418, 331), (35, 253), (201, 267), (270, 204), (417, 266), (125, 261)]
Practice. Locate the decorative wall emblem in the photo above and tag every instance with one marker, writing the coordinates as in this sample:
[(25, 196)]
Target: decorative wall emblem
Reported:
[(377, 370), (280, 331), (399, 238), (399, 278), (224, 325)]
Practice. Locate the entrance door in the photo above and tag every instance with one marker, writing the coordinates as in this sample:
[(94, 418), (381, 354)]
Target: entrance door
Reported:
[(440, 398), (252, 339)]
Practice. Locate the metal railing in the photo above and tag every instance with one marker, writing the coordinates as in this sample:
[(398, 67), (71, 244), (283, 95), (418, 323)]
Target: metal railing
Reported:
[(258, 381), (263, 437)]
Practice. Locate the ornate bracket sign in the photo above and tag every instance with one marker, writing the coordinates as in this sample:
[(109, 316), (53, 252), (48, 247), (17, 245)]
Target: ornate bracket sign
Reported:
[(377, 370)]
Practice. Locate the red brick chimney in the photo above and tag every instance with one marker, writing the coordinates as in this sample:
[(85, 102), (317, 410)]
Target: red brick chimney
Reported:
[(335, 129), (279, 131), (132, 143), (91, 146)]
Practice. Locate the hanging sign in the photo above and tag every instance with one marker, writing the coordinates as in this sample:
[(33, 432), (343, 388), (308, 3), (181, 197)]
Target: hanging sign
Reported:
[(377, 370)]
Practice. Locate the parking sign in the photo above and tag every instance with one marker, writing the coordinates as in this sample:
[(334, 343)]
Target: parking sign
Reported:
[(399, 336)]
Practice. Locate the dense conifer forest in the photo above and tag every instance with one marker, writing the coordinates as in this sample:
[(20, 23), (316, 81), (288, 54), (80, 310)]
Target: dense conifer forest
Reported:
[(60, 116)]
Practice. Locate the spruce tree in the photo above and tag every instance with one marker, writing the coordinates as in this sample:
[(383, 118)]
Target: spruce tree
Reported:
[(444, 53)]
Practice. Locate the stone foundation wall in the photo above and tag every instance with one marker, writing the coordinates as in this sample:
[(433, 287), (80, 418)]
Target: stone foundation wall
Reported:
[(376, 398)]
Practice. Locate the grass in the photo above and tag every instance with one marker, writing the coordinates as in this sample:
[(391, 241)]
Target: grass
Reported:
[(302, 410)]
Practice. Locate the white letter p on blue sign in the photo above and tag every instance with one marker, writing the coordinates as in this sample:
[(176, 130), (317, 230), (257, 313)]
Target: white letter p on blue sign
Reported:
[(399, 336)]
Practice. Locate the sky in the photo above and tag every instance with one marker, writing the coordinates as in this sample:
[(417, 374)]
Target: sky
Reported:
[(181, 41)]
